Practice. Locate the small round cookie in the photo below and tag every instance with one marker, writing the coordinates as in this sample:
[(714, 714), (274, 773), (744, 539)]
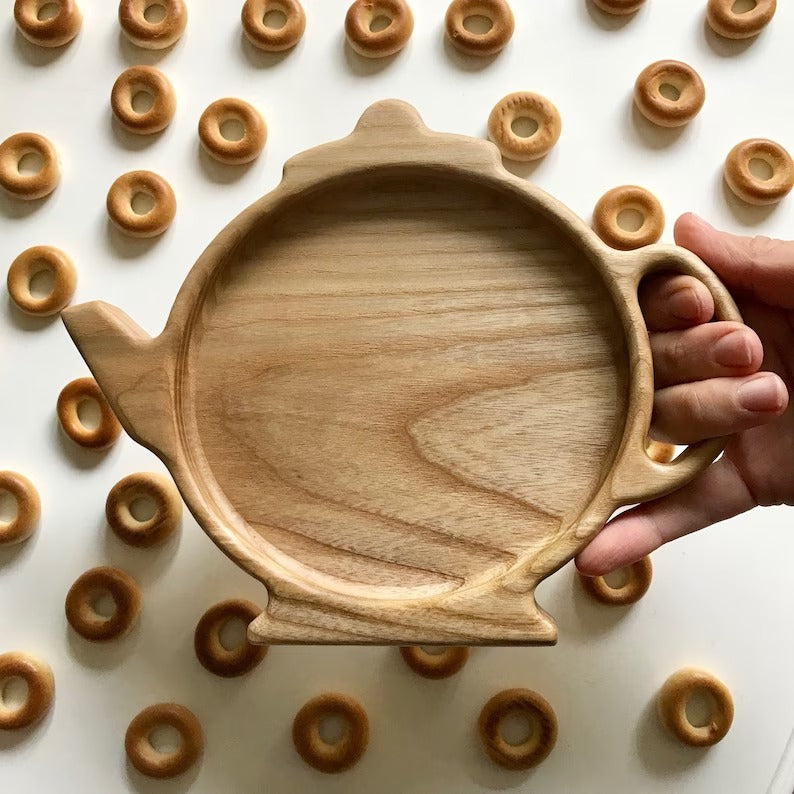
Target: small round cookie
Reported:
[(731, 24), (211, 652), (47, 31), (160, 493), (756, 189), (81, 610), (348, 749), (659, 451), (41, 689), (150, 82), (28, 507), (368, 37), (23, 184), (619, 7), (638, 579), (669, 93), (612, 226), (266, 37), (125, 192), (165, 28), (435, 665), (672, 702), (231, 150), (150, 761), (70, 399), (497, 12), (27, 266), (542, 737), (508, 114)]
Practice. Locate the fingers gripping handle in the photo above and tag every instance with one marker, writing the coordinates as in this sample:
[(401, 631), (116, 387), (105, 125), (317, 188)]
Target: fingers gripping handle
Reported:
[(638, 477)]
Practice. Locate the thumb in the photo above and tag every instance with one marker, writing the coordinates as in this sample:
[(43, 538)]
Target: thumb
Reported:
[(758, 266)]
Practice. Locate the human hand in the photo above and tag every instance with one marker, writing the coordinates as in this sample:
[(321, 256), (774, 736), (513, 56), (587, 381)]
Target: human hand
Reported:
[(715, 379)]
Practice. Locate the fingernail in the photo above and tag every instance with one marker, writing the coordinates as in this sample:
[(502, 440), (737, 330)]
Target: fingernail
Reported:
[(733, 350), (761, 394), (685, 304)]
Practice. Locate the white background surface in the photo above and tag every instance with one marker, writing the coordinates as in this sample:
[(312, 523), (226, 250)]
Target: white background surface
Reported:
[(723, 599)]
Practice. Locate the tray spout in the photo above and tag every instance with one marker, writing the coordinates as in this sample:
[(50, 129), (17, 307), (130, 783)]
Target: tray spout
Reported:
[(133, 370)]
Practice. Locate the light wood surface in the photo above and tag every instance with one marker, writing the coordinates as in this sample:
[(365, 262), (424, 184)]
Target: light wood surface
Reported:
[(400, 390)]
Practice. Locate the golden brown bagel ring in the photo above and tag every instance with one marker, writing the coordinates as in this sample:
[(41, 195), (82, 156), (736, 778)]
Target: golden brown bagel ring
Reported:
[(143, 80), (370, 43), (161, 492), (619, 7), (81, 612), (223, 149), (28, 186), (52, 31), (613, 203), (659, 451), (542, 737), (498, 12), (672, 700), (638, 580), (120, 200), (524, 105), (267, 38), (152, 35), (149, 761), (751, 188), (69, 401), (41, 688), (30, 263), (207, 643), (435, 665), (320, 754), (24, 493), (684, 84), (739, 25)]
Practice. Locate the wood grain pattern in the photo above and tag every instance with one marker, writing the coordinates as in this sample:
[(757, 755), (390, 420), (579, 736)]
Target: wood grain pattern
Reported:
[(401, 389)]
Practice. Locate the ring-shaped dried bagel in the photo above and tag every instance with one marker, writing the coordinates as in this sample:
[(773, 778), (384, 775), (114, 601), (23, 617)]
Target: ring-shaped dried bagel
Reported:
[(209, 649), (227, 150), (24, 184), (628, 198), (152, 35), (638, 579), (121, 204), (28, 507), (365, 36), (273, 39), (81, 611), (143, 80), (518, 106), (27, 266), (40, 682), (71, 397), (156, 489), (731, 24), (752, 188), (48, 31), (669, 93), (446, 662), (494, 40)]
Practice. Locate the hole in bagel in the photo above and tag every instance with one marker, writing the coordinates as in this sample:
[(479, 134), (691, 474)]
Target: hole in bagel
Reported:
[(13, 692), (760, 169), (103, 603), (89, 413), (332, 728), (48, 11), (143, 508), (379, 23), (30, 163), (524, 126), (478, 24), (165, 739), (630, 220), (701, 706), (517, 727), (617, 580), (743, 6), (42, 280), (232, 130), (275, 19), (142, 100), (669, 91), (9, 507), (432, 650), (233, 633), (154, 13), (142, 203)]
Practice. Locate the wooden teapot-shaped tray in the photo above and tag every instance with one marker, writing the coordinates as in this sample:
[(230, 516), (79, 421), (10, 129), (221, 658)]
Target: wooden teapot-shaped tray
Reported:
[(400, 390)]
